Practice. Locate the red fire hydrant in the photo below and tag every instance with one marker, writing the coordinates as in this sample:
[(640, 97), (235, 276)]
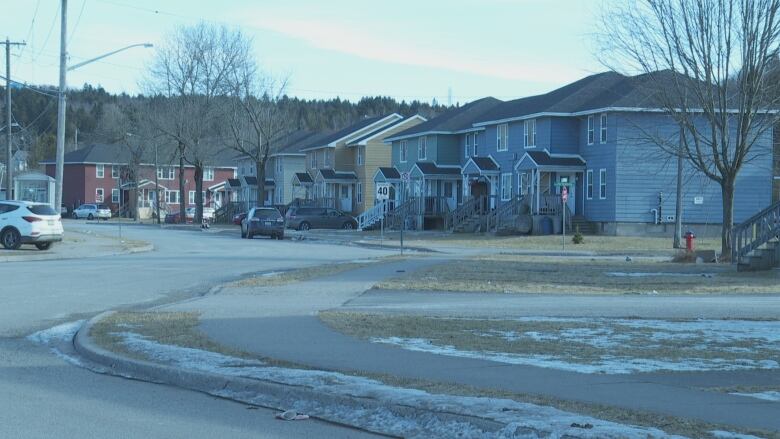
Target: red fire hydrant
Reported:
[(690, 241)]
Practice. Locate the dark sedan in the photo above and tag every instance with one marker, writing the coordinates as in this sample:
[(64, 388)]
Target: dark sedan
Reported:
[(305, 218), (266, 221)]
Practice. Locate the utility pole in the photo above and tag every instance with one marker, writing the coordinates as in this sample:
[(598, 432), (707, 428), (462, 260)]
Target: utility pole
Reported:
[(9, 169), (60, 158), (679, 202)]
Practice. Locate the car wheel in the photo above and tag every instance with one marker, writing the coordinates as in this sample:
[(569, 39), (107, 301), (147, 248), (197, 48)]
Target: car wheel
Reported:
[(11, 239), (347, 226), (43, 245), (304, 226), (75, 215), (90, 217), (249, 235)]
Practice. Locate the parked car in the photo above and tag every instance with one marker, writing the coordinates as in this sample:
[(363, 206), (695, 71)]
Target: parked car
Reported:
[(237, 218), (23, 222), (64, 210), (265, 221), (173, 218), (305, 218), (92, 211)]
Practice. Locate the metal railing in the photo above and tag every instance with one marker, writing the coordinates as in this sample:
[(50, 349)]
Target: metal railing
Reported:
[(372, 215), (755, 232)]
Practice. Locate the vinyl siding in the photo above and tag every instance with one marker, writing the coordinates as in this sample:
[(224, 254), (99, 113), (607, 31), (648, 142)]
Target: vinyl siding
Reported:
[(600, 156)]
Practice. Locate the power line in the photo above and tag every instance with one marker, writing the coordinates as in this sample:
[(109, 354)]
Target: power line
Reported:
[(78, 20), (48, 35), (29, 87), (30, 30)]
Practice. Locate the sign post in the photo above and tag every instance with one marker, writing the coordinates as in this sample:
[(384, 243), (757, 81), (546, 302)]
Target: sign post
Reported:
[(404, 181), (564, 184), (382, 195)]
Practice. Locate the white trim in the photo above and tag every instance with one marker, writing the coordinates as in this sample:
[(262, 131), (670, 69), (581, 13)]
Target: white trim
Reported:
[(589, 184), (422, 140), (351, 135), (282, 154), (102, 195), (529, 136), (590, 130), (403, 151), (503, 175), (211, 188), (390, 128), (603, 121), (118, 171), (115, 191), (472, 129), (359, 192), (603, 182), (100, 170), (502, 143), (481, 171), (467, 146), (360, 155)]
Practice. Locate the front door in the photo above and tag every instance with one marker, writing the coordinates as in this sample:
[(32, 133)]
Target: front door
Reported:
[(450, 194), (346, 198)]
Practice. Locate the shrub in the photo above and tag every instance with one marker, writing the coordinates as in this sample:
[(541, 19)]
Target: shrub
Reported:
[(577, 238)]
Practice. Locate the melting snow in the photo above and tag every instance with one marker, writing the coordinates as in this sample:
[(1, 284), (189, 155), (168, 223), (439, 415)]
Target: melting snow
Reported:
[(654, 274), (765, 396), (58, 334), (720, 434), (515, 419)]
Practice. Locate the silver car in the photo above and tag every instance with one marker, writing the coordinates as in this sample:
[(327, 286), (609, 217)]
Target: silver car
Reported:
[(92, 211), (305, 218)]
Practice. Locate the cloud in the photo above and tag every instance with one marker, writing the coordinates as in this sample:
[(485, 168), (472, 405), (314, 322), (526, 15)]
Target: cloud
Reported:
[(376, 44)]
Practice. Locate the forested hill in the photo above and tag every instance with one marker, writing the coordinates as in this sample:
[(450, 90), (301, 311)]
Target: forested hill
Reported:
[(35, 110)]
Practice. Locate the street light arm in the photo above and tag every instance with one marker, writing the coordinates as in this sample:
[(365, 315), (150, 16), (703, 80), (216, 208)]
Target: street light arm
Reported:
[(75, 66)]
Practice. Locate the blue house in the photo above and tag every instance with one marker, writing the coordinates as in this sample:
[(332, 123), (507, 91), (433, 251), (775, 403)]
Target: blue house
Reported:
[(591, 134)]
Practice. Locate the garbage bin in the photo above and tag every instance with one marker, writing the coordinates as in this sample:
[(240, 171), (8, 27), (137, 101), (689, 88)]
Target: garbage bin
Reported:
[(547, 226)]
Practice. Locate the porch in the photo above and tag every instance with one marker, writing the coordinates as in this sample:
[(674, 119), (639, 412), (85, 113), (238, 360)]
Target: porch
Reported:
[(335, 189)]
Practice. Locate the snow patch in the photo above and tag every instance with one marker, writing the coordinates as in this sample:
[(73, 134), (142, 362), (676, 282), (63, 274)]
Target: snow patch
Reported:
[(422, 414), (57, 335), (720, 434), (656, 274), (764, 396)]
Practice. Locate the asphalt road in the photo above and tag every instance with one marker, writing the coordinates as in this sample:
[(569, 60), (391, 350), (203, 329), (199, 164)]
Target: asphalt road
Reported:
[(45, 396)]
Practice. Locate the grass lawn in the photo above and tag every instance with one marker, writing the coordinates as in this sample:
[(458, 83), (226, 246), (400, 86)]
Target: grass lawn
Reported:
[(559, 275), (597, 244), (300, 275)]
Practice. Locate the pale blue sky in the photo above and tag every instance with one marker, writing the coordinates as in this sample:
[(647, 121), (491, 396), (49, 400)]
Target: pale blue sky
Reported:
[(407, 49)]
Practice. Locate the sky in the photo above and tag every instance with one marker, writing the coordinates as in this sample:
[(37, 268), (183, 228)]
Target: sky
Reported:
[(406, 49)]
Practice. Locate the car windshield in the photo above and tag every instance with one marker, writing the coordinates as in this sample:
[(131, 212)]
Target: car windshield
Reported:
[(42, 209), (267, 214), (102, 207)]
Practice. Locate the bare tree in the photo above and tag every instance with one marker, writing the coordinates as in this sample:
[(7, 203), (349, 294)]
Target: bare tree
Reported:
[(192, 71), (257, 119), (707, 65)]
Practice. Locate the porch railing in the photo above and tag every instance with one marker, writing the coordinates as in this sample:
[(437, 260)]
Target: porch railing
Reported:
[(434, 206), (224, 214), (548, 205), (372, 215), (397, 216), (471, 207), (505, 210), (755, 232)]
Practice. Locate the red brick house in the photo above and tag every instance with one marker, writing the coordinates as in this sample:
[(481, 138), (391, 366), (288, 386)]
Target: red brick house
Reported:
[(91, 175)]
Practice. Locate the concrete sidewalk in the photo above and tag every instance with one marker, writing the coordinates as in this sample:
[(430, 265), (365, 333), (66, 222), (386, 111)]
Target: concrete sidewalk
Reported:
[(281, 323)]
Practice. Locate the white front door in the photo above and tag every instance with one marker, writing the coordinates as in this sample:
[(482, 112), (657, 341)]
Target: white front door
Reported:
[(450, 193), (346, 197)]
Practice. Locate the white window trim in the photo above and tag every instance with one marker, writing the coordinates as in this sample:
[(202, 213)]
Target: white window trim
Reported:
[(521, 183), (403, 151), (591, 127), (502, 141), (422, 147), (603, 182), (359, 192), (506, 177), (361, 155), (474, 146), (168, 197), (468, 146), (114, 168), (589, 184), (313, 160), (603, 128), (100, 171), (208, 174), (101, 197), (114, 195), (529, 135), (191, 198)]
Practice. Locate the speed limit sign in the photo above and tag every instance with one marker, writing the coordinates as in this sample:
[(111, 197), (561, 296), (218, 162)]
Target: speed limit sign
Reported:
[(382, 191)]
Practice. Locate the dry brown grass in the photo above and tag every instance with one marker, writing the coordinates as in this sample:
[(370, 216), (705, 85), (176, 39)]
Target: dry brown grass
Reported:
[(299, 275), (557, 275)]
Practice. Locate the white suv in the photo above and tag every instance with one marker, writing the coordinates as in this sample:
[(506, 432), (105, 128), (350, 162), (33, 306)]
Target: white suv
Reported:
[(23, 222), (92, 211)]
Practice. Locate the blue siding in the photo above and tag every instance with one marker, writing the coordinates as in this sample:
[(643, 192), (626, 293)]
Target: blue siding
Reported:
[(448, 150), (563, 135), (599, 156)]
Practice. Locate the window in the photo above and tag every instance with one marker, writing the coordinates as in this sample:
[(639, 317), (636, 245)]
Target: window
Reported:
[(474, 145), (603, 131), (278, 196), (506, 186), (590, 130), (313, 160), (191, 197), (404, 149), (100, 171), (114, 171), (208, 174), (359, 192), (115, 196), (328, 158), (522, 182), (529, 133), (422, 148), (589, 184), (467, 150), (99, 195), (279, 165), (602, 183), (361, 151), (166, 173), (502, 136), (172, 197)]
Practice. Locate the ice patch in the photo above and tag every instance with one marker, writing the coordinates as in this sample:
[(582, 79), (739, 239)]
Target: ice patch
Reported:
[(417, 419), (271, 274), (764, 396), (56, 335), (720, 434), (656, 274)]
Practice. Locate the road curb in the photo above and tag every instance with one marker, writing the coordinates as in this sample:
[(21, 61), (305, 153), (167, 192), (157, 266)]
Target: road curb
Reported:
[(266, 394)]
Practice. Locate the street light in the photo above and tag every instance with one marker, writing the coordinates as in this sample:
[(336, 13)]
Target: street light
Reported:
[(60, 159)]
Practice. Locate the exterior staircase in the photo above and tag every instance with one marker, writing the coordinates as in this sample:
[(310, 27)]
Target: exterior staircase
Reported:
[(756, 241), (372, 216), (468, 217), (583, 225)]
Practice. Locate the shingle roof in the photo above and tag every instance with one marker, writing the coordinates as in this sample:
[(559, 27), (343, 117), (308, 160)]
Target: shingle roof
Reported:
[(119, 154), (608, 89), (330, 174), (390, 173), (454, 120), (485, 163), (430, 168), (304, 177), (544, 158), (234, 182), (294, 143), (374, 132)]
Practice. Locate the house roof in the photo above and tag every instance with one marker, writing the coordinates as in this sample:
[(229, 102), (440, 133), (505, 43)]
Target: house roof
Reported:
[(233, 182), (331, 175), (295, 142), (543, 159), (252, 181), (373, 133), (430, 168), (304, 177), (335, 136), (602, 90), (484, 163), (390, 173), (452, 121), (119, 154)]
